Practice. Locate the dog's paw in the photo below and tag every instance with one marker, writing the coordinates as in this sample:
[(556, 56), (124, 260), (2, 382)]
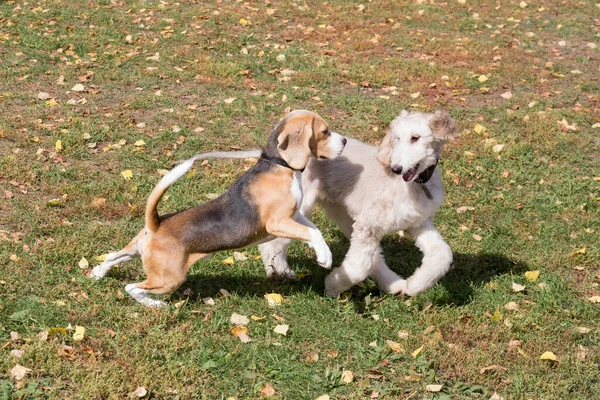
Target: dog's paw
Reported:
[(332, 287), (324, 257), (285, 275), (98, 272), (397, 287)]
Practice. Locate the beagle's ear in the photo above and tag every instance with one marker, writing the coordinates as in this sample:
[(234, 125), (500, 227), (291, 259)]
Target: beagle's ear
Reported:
[(443, 126), (293, 142), (384, 155)]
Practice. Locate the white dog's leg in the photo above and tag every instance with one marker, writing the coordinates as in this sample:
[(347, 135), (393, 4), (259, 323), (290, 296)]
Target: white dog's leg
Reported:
[(274, 256), (357, 263), (437, 258), (387, 280)]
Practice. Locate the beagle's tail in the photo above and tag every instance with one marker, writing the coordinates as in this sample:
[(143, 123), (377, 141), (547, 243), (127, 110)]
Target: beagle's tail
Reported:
[(152, 219), (229, 154)]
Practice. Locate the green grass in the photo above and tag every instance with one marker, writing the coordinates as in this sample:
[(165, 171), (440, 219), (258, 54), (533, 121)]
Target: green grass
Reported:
[(535, 203)]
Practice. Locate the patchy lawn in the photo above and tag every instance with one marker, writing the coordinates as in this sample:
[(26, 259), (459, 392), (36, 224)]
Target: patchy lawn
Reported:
[(91, 89)]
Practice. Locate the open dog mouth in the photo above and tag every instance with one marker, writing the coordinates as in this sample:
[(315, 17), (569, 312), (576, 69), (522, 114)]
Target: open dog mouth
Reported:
[(408, 175)]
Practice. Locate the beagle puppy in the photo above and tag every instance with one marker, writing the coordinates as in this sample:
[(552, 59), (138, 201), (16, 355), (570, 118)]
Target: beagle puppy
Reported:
[(260, 205)]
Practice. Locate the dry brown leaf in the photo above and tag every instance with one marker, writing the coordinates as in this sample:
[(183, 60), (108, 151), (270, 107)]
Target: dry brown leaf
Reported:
[(492, 368), (241, 332), (395, 346), (139, 392), (347, 376), (517, 288), (238, 319), (267, 391), (18, 372), (434, 388)]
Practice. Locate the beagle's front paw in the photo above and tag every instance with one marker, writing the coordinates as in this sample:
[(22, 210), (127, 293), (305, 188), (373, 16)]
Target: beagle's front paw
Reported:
[(324, 257)]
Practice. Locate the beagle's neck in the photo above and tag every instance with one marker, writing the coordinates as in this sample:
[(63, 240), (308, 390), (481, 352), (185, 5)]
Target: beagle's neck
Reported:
[(279, 161)]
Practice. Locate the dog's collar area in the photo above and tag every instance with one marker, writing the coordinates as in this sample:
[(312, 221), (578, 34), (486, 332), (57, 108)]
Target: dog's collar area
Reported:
[(426, 175), (279, 161)]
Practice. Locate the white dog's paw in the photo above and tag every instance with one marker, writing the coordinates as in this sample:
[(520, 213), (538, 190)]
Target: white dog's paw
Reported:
[(332, 285), (98, 272), (286, 274), (399, 286)]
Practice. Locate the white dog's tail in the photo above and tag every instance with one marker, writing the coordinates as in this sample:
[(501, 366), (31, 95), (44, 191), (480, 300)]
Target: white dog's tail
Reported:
[(152, 219)]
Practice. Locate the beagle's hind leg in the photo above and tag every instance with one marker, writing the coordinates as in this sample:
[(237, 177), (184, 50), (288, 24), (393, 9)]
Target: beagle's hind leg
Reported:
[(128, 252), (166, 272)]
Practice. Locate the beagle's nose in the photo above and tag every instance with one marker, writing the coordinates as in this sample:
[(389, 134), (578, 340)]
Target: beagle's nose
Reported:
[(344, 141), (397, 169)]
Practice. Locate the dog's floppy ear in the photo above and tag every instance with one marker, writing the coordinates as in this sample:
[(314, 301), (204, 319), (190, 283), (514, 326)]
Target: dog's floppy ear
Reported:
[(443, 126), (293, 142), (384, 155)]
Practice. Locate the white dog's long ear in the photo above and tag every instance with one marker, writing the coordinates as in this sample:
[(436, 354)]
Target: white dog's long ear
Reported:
[(384, 155), (443, 126)]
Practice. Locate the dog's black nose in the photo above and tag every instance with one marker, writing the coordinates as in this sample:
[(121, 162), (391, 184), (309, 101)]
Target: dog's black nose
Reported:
[(397, 169), (344, 141)]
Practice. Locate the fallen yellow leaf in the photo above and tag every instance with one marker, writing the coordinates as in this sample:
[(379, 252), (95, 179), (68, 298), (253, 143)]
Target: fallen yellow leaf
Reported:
[(532, 276), (274, 299), (580, 251), (241, 332), (497, 316), (482, 78), (548, 355), (228, 261), (139, 143), (101, 257), (415, 353), (127, 174), (594, 299), (281, 329), (58, 146), (245, 22), (79, 333), (479, 128)]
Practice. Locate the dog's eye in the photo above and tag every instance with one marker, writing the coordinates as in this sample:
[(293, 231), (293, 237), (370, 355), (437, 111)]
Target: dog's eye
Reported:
[(326, 133), (413, 139)]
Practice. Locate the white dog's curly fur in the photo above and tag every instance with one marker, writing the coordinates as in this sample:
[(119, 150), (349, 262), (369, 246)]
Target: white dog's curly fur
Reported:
[(370, 192)]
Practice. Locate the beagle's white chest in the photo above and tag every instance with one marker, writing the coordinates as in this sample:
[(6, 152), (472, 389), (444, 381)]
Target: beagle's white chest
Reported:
[(296, 188)]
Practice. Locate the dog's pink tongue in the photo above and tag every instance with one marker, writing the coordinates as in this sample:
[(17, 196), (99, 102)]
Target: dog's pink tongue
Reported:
[(408, 175)]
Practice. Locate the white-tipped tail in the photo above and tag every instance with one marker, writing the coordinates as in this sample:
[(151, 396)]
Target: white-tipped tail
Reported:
[(152, 220), (229, 154)]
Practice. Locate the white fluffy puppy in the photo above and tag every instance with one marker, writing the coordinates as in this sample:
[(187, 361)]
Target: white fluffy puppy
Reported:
[(371, 192)]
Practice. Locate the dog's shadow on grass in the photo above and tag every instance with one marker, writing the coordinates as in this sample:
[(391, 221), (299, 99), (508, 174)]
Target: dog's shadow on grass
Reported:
[(470, 270), (402, 256)]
